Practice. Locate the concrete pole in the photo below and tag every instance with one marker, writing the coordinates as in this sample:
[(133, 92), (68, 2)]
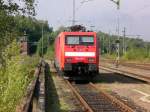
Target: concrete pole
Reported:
[(73, 19), (124, 43), (42, 40)]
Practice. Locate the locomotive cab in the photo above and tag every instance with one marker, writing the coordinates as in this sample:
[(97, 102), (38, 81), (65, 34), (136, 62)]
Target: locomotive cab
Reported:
[(80, 55)]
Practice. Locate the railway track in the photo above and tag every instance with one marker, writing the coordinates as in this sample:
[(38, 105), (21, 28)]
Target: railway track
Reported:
[(134, 70), (34, 99), (136, 65), (141, 77), (94, 100), (91, 98), (144, 66)]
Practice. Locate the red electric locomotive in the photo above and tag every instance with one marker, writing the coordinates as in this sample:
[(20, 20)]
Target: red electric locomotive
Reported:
[(77, 53)]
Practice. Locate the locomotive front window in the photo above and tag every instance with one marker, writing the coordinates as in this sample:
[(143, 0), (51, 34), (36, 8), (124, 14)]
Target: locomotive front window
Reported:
[(72, 40), (86, 40), (79, 40)]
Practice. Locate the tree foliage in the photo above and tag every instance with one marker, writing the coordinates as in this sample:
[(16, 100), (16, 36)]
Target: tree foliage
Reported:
[(18, 6), (135, 48), (33, 28), (8, 10)]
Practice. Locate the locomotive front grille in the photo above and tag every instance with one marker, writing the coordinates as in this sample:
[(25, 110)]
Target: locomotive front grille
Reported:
[(80, 67), (92, 67)]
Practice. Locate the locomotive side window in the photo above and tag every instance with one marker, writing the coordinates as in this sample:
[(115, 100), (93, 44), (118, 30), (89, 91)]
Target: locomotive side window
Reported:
[(79, 40)]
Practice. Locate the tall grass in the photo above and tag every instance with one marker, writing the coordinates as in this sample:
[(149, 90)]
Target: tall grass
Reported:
[(134, 54), (137, 54), (15, 76)]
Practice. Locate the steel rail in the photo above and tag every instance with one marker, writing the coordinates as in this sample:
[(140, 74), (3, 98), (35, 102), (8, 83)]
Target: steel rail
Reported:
[(88, 106), (126, 73), (82, 101), (145, 66), (115, 101), (139, 66)]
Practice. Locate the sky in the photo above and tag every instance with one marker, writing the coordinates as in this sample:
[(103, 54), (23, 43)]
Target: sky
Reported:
[(103, 15)]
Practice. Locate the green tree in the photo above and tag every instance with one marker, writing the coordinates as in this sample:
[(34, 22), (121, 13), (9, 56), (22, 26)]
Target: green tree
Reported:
[(43, 45), (8, 10), (33, 29)]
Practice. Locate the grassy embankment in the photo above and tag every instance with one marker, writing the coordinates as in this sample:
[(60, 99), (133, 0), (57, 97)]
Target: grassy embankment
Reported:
[(133, 55), (15, 74)]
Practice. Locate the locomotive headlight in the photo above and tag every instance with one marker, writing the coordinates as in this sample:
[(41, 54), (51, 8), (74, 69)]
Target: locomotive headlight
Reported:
[(68, 60), (91, 60)]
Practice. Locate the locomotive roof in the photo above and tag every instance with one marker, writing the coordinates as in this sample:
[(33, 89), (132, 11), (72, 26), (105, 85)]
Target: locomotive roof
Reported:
[(78, 33)]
